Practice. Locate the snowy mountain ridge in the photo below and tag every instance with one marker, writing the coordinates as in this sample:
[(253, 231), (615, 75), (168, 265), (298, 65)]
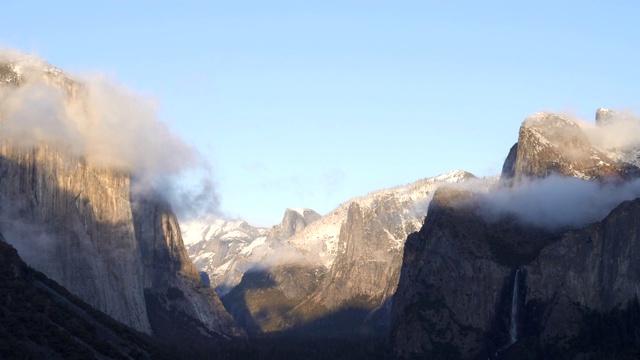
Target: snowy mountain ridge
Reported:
[(227, 249), (321, 237)]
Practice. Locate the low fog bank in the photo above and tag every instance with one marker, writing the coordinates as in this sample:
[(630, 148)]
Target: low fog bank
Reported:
[(556, 202), (559, 202), (107, 124)]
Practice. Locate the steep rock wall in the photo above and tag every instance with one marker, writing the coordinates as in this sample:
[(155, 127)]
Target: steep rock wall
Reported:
[(170, 278), (74, 219), (74, 223)]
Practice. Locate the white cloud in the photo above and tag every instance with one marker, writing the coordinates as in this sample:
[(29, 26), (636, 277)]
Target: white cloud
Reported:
[(557, 202), (107, 124)]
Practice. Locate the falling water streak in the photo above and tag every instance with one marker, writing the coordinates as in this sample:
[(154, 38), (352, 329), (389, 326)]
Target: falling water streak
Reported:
[(513, 329)]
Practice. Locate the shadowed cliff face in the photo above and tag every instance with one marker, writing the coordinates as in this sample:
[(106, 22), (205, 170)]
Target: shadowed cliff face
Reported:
[(456, 284), (171, 281), (78, 225), (74, 223), (453, 274), (488, 276), (595, 267)]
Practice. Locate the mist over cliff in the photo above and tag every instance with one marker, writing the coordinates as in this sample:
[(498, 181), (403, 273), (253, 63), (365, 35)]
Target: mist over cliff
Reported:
[(538, 266), (87, 197), (104, 122), (555, 202), (566, 172)]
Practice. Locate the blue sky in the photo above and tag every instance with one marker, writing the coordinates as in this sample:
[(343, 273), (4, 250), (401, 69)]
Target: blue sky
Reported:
[(310, 103)]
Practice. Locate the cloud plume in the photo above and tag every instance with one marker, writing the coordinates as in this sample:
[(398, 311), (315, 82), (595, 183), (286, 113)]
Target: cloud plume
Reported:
[(556, 202), (104, 122)]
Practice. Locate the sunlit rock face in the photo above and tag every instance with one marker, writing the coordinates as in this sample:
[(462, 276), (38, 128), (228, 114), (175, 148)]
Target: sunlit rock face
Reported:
[(293, 222), (365, 270), (81, 223), (552, 144)]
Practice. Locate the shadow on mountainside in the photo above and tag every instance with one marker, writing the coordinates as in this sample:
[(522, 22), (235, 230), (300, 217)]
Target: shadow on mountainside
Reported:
[(40, 319), (278, 329)]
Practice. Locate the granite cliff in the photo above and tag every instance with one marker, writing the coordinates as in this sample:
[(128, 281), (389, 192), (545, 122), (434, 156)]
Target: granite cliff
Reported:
[(549, 143), (83, 222), (478, 287)]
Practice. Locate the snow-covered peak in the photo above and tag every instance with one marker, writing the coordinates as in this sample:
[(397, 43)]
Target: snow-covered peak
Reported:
[(226, 249), (23, 65), (208, 229), (454, 176), (547, 119)]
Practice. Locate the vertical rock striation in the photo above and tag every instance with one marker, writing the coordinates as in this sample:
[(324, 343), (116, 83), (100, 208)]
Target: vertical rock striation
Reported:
[(74, 223), (171, 281), (78, 222)]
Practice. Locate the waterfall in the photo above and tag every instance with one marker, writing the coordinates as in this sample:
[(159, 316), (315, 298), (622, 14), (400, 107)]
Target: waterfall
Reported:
[(513, 328)]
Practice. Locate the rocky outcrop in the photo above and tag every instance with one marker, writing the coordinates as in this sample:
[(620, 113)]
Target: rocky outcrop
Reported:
[(293, 221), (552, 144), (365, 271), (364, 274), (595, 267), (605, 116), (171, 281), (474, 286)]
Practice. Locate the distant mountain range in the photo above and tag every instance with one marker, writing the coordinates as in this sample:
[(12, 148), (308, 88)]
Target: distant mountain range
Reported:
[(350, 256)]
